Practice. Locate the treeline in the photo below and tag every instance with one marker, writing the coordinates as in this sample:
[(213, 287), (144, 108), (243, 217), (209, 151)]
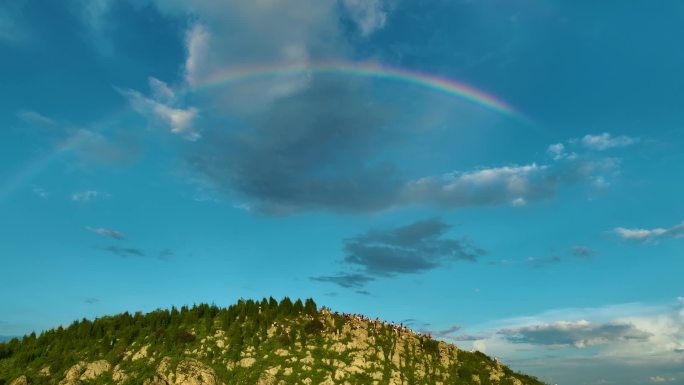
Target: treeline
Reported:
[(167, 331)]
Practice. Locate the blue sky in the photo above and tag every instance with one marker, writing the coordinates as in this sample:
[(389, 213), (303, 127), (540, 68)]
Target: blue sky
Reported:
[(554, 242)]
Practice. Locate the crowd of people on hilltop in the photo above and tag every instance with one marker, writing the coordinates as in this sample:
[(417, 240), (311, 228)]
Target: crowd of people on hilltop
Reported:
[(356, 319), (397, 328)]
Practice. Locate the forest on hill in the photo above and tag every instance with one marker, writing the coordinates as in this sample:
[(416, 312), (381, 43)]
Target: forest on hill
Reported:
[(250, 342)]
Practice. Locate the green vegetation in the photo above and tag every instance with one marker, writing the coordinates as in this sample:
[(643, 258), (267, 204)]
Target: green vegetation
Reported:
[(251, 342)]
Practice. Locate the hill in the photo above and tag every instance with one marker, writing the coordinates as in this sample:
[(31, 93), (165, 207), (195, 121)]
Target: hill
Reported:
[(264, 342)]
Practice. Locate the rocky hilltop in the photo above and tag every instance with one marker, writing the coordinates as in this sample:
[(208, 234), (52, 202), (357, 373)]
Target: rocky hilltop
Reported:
[(264, 342)]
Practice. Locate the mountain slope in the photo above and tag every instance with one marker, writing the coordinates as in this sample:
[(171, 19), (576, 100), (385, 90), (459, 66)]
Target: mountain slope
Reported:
[(251, 342)]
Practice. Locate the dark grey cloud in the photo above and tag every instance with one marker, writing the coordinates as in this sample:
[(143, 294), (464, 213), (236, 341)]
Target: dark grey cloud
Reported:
[(124, 252), (581, 251), (326, 148), (447, 331), (579, 334), (410, 249), (416, 324), (107, 233), (349, 281), (309, 151)]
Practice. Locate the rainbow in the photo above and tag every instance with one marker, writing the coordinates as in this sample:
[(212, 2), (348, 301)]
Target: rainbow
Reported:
[(363, 69)]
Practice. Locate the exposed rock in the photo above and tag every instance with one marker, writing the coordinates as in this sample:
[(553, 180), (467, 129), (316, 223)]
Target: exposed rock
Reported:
[(142, 353), (193, 372), (247, 362), (45, 372), (188, 372), (20, 381), (84, 371), (118, 375), (95, 369)]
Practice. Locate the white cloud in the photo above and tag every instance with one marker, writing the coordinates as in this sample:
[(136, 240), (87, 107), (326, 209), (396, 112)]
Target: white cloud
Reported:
[(41, 192), (557, 151), (519, 202), (87, 196), (517, 184), (645, 337), (197, 47), (606, 141), (234, 36), (649, 235), (639, 234), (178, 120), (661, 379), (161, 90), (369, 15), (484, 186)]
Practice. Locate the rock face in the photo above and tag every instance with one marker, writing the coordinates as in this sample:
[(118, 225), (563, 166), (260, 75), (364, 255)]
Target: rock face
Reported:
[(84, 371), (188, 372), (20, 381)]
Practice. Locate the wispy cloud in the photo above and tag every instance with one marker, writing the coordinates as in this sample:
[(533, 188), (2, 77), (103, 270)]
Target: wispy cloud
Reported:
[(540, 262), (161, 91), (369, 15), (124, 252), (107, 233), (88, 144), (349, 281), (91, 300), (95, 16), (448, 331), (88, 195), (649, 235), (197, 46), (161, 109), (41, 192), (581, 251), (33, 117), (166, 255), (606, 141), (13, 26)]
